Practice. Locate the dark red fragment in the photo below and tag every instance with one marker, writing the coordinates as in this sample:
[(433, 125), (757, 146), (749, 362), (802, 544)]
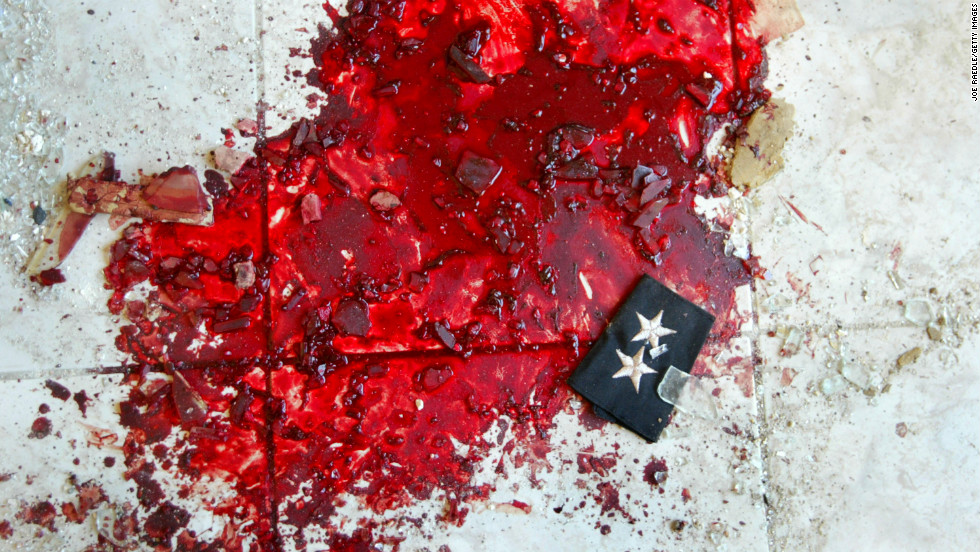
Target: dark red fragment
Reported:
[(82, 400), (351, 317), (477, 173), (649, 213), (50, 277), (433, 377), (188, 402), (58, 391), (40, 429)]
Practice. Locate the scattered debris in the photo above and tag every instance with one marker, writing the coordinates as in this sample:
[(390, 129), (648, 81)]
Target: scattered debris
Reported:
[(244, 275), (477, 173), (908, 357), (229, 160), (775, 19), (688, 394), (173, 196), (758, 153), (919, 312), (248, 127), (384, 201), (189, 405), (310, 208), (901, 429)]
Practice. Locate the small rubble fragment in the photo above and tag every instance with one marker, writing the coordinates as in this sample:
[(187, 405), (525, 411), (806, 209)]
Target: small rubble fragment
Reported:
[(244, 275), (310, 208), (655, 472), (173, 196), (190, 406), (895, 279), (50, 277), (908, 357), (58, 242), (58, 391), (477, 173), (39, 215), (773, 19), (792, 339), (351, 317), (833, 385), (248, 127), (649, 213), (758, 153), (467, 67), (445, 336), (384, 201), (215, 184), (229, 160), (40, 429), (901, 429)]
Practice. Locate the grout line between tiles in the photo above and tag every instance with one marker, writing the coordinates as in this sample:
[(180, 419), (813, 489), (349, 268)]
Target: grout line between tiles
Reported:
[(270, 442), (762, 422), (762, 418), (39, 374)]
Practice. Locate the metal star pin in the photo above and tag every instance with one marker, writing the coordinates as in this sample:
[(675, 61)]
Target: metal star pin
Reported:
[(652, 330), (633, 367)]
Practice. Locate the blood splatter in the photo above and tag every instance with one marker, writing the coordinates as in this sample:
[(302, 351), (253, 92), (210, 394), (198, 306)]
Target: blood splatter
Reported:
[(40, 513), (434, 251), (58, 390), (40, 429)]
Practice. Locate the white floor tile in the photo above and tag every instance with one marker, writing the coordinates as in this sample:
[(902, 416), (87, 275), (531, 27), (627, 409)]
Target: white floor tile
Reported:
[(154, 82)]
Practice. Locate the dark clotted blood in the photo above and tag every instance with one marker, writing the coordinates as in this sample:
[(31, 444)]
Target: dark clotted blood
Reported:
[(40, 429), (40, 513), (434, 251), (58, 390)]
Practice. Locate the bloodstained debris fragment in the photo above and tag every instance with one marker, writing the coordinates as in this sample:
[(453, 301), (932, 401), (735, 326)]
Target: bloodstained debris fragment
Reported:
[(58, 390), (173, 196), (476, 172), (230, 160), (310, 208), (384, 201)]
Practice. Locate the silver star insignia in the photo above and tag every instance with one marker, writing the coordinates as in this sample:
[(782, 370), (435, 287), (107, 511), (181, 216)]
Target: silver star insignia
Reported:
[(633, 367), (652, 330)]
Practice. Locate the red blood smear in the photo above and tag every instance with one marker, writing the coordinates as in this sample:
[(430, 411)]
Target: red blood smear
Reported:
[(388, 337)]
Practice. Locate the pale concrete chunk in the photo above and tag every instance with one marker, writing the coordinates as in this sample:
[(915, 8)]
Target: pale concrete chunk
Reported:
[(759, 154)]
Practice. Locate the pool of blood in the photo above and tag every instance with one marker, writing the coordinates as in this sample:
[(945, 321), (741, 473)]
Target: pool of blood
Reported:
[(434, 250)]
